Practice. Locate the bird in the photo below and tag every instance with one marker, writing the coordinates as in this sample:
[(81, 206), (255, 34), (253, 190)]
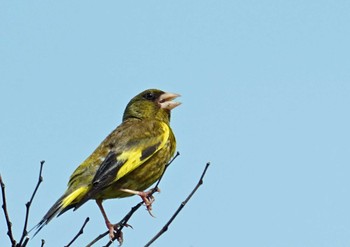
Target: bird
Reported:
[(127, 162)]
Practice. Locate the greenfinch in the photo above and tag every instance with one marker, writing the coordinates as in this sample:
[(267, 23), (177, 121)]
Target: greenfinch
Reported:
[(128, 161)]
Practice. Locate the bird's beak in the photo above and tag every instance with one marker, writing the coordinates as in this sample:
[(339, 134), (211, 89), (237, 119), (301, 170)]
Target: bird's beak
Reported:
[(165, 101)]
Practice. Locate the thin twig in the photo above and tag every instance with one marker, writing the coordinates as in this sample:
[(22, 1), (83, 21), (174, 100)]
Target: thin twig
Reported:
[(7, 217), (42, 243), (124, 221), (26, 241), (166, 226), (29, 203), (98, 238), (81, 231), (155, 189)]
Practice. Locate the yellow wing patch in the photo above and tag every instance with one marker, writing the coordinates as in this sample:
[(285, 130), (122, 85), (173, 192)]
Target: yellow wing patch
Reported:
[(134, 157)]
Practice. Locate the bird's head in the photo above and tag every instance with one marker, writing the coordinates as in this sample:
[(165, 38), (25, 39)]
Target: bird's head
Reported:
[(151, 104)]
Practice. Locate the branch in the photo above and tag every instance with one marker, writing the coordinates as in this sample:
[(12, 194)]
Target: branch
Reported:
[(4, 207), (28, 204), (182, 205), (156, 189), (124, 221), (98, 238), (81, 231), (24, 243)]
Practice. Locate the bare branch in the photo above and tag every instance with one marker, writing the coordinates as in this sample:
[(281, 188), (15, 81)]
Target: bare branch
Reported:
[(155, 189), (81, 231), (25, 242), (98, 238), (118, 227), (7, 217), (29, 203), (182, 205)]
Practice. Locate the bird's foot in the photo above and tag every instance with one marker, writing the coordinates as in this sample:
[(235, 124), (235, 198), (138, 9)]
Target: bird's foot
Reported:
[(119, 237), (147, 197), (110, 228), (115, 233)]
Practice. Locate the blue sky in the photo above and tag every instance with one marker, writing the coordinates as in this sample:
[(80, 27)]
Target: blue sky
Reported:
[(265, 89)]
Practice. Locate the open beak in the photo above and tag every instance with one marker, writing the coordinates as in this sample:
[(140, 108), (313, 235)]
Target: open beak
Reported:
[(165, 101)]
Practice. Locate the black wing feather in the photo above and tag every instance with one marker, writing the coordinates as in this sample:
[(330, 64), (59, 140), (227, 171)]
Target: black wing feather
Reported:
[(104, 176)]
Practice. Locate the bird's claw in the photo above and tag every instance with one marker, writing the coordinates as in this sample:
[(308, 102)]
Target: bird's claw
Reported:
[(149, 209), (118, 237), (148, 199), (115, 233), (110, 230)]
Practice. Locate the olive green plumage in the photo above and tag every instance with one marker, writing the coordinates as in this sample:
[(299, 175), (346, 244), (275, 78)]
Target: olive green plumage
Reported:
[(132, 157)]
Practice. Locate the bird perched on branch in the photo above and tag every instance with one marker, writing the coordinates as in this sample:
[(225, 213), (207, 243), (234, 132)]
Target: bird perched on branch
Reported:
[(128, 161)]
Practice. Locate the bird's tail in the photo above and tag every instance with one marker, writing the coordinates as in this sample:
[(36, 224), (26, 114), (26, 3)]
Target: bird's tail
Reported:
[(64, 203)]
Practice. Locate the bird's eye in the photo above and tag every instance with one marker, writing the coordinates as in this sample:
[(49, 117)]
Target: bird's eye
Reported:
[(149, 96)]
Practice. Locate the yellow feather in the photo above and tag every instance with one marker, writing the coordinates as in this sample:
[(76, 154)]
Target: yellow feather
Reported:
[(76, 194), (133, 157)]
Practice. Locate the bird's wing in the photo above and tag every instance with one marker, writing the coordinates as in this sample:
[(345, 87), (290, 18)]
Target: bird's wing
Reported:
[(107, 170), (127, 157)]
